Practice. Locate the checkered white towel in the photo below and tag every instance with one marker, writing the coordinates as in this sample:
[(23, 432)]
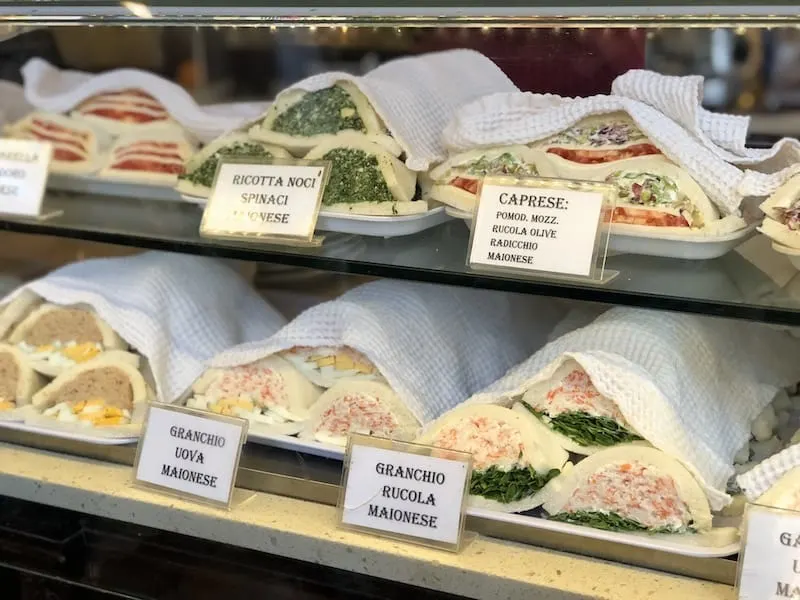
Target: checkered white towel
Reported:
[(434, 344), (764, 475), (417, 96), (54, 90), (176, 310), (666, 108), (690, 385)]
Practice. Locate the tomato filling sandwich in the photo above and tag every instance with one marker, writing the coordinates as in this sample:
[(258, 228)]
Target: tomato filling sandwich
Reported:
[(155, 156), (55, 338), (358, 406), (511, 460), (629, 488), (122, 111), (270, 392)]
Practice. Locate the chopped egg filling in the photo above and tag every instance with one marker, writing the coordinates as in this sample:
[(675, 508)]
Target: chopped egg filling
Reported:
[(7, 404), (354, 413), (635, 491), (60, 354), (242, 407), (332, 362), (92, 412), (491, 442)]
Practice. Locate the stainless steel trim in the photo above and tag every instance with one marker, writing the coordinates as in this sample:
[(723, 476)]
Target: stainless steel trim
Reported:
[(314, 479)]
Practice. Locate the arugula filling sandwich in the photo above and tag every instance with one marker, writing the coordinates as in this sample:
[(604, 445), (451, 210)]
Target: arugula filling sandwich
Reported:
[(629, 488), (365, 179), (299, 120), (271, 393), (55, 338), (102, 392), (782, 210), (582, 420), (457, 180), (200, 169), (511, 460), (18, 380), (358, 406)]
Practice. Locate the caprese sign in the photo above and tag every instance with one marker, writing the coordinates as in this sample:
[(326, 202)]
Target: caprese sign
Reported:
[(23, 176), (274, 200), (190, 453), (406, 491), (538, 225)]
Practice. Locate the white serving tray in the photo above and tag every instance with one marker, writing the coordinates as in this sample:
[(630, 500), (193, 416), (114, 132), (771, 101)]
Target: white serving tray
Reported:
[(633, 240), (70, 435), (791, 253), (372, 225), (290, 442), (91, 184), (686, 545)]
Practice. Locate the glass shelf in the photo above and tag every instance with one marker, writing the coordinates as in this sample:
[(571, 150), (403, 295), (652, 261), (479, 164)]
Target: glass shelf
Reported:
[(729, 286)]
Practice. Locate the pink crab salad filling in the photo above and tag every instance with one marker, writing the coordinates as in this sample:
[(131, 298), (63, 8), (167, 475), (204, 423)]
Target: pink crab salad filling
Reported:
[(355, 413), (264, 386), (576, 393), (491, 442)]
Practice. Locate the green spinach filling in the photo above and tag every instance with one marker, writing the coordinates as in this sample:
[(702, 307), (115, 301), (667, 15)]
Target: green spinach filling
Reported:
[(329, 110), (204, 174), (355, 177), (612, 522), (585, 429), (508, 486)]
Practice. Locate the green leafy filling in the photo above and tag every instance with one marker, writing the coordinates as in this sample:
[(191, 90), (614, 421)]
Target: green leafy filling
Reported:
[(611, 521), (508, 486), (355, 177), (505, 164), (204, 174), (585, 429), (329, 110)]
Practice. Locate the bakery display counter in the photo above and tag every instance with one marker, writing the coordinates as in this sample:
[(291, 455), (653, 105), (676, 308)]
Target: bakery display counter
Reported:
[(731, 285), (296, 529)]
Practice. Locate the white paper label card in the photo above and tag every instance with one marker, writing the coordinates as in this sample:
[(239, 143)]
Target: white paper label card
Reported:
[(538, 225), (23, 176), (190, 453), (769, 565), (405, 491), (275, 199)]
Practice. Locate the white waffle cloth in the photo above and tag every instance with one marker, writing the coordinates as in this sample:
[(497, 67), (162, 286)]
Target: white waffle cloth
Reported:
[(666, 108), (690, 385), (177, 311), (54, 90), (417, 96), (434, 344), (764, 475)]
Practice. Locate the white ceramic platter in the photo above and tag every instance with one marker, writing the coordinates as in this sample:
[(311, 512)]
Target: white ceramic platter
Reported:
[(70, 435), (372, 225), (90, 184), (686, 545), (634, 240)]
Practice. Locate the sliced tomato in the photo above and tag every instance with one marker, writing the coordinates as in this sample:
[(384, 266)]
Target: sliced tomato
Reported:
[(66, 155), (56, 128), (125, 115), (149, 144), (466, 184), (644, 216), (152, 166), (593, 157), (39, 135), (153, 153)]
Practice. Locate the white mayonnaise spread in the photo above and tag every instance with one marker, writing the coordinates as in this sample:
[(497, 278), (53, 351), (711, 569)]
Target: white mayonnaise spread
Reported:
[(491, 442), (354, 413), (635, 491)]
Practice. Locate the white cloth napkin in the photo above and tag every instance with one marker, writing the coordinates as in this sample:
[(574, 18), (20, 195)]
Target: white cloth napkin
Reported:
[(690, 385), (666, 108), (764, 475), (51, 89), (417, 96), (178, 311), (434, 344)]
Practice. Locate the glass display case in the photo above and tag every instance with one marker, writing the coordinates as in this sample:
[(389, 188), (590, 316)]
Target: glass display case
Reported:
[(618, 426)]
